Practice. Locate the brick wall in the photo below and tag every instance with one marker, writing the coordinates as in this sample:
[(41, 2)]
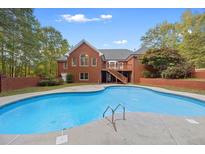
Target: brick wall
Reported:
[(137, 69), (61, 69), (8, 83), (94, 72), (199, 73), (200, 85)]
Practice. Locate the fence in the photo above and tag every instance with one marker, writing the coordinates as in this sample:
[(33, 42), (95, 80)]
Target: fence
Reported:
[(8, 83), (200, 85)]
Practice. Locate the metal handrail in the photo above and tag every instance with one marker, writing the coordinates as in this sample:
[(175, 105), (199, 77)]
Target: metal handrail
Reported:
[(122, 108), (112, 113)]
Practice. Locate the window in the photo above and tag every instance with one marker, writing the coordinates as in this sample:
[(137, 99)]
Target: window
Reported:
[(74, 62), (112, 64), (65, 65), (84, 60), (94, 61), (84, 76)]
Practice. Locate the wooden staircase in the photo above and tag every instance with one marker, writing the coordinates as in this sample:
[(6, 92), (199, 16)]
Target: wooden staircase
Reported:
[(118, 75)]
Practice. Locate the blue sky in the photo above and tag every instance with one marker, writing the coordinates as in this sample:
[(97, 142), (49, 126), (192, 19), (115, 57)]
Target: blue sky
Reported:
[(107, 28)]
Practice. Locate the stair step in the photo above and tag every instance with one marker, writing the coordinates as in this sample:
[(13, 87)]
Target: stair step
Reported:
[(118, 75)]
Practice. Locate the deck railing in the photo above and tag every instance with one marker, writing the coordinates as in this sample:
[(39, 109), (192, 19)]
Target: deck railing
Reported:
[(117, 66)]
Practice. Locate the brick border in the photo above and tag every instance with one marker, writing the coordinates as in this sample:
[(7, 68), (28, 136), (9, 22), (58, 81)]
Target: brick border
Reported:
[(200, 85)]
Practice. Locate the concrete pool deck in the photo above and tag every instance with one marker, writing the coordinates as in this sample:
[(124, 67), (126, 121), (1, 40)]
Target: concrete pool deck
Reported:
[(138, 128)]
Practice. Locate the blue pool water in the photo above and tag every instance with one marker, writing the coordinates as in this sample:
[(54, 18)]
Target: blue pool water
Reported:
[(57, 111)]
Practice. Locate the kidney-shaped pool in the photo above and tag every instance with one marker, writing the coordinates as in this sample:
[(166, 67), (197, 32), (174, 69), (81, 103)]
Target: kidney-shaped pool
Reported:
[(53, 112)]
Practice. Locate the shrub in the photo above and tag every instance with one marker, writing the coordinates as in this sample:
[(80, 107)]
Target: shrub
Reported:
[(60, 81), (147, 74), (175, 72), (69, 78), (43, 83), (166, 63), (53, 82), (150, 74)]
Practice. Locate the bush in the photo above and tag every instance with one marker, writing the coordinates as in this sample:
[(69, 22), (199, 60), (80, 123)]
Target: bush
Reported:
[(60, 81), (149, 74), (53, 82), (43, 83), (166, 63), (175, 72), (69, 78)]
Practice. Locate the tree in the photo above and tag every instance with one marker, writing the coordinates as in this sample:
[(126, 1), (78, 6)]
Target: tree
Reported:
[(161, 60), (25, 47), (18, 28), (162, 36), (192, 47), (187, 36), (53, 46)]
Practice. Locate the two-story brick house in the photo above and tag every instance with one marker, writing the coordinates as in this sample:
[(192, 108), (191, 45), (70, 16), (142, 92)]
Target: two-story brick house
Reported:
[(88, 64)]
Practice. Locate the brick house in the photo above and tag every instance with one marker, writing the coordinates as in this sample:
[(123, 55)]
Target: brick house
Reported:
[(88, 64)]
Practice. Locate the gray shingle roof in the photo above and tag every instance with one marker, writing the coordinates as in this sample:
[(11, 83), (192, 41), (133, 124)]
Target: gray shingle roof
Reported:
[(141, 50), (63, 58), (116, 54)]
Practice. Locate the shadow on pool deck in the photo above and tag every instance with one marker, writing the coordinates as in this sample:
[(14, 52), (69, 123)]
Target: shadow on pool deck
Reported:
[(138, 128)]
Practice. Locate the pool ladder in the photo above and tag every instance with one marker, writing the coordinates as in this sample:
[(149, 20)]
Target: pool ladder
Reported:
[(113, 114)]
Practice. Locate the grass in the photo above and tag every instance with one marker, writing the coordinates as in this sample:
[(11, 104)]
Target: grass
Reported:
[(46, 88), (202, 92), (39, 89)]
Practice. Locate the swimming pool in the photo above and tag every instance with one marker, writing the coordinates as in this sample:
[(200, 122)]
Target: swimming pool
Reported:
[(53, 112)]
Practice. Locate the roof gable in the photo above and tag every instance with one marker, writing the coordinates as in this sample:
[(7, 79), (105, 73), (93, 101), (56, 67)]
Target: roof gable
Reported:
[(141, 50), (80, 43), (108, 54)]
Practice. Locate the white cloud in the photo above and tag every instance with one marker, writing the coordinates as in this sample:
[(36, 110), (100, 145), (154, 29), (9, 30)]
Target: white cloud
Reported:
[(81, 18), (120, 42), (106, 16)]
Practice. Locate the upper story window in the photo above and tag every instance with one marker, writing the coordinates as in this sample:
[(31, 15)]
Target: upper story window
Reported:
[(65, 66), (94, 61), (84, 60), (74, 61)]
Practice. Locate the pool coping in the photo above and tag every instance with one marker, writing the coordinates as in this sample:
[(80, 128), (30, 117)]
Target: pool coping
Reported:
[(6, 100)]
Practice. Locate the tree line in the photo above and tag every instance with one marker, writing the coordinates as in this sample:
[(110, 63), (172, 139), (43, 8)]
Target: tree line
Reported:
[(26, 48), (186, 36)]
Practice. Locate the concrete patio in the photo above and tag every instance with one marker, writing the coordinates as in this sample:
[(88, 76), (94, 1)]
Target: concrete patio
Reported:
[(138, 128)]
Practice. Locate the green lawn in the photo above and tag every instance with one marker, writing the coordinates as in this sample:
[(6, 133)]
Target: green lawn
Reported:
[(202, 92), (38, 89)]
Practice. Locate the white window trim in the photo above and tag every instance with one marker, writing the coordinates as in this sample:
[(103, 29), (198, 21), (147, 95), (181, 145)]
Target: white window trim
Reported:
[(112, 61), (92, 62), (83, 79), (65, 63), (80, 61), (72, 62)]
